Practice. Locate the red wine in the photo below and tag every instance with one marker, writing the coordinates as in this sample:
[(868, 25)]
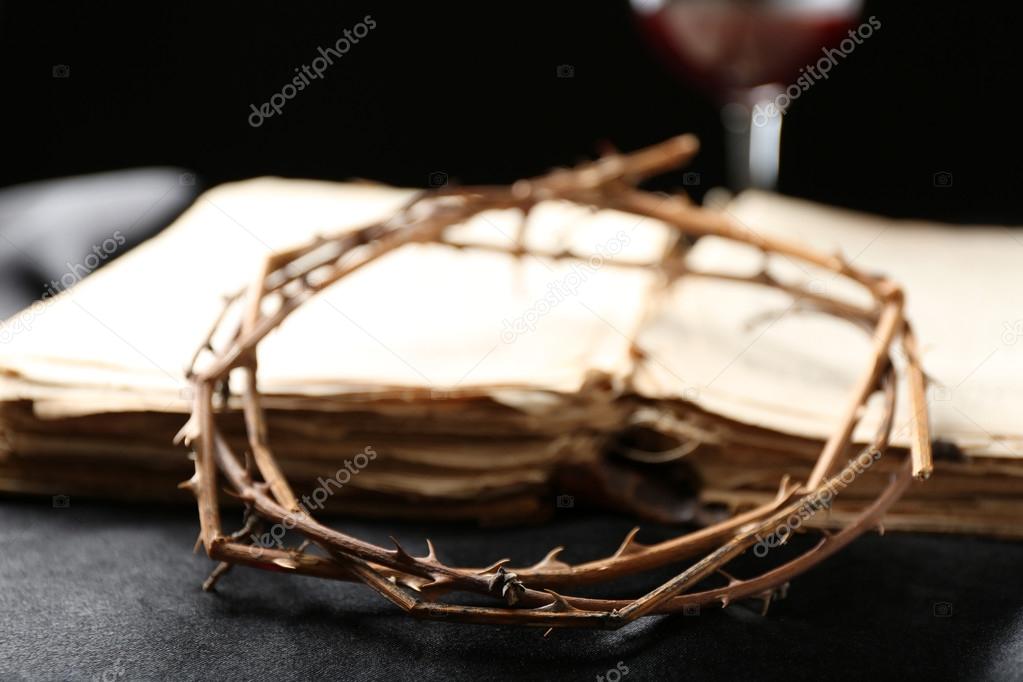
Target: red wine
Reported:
[(732, 46)]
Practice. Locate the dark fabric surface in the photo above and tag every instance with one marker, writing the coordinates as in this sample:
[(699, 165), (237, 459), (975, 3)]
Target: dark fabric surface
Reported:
[(96, 591)]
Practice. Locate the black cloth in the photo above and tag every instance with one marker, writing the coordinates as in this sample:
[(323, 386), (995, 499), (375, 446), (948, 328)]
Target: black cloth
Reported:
[(101, 591)]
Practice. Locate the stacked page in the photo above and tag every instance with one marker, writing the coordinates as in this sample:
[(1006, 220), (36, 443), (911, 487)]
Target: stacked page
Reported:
[(483, 382)]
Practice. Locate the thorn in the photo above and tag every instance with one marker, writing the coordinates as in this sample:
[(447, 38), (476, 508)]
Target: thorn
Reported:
[(286, 563), (880, 529), (400, 552), (496, 566), (431, 554), (559, 605), (783, 488), (725, 601), (191, 484), (432, 588), (410, 581), (187, 433), (549, 631), (732, 580), (550, 561), (198, 544), (629, 545), (767, 604)]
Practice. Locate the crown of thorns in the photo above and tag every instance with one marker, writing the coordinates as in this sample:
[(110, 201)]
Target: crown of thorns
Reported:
[(537, 595)]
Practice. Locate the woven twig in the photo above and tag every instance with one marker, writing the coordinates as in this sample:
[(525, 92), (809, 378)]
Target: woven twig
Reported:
[(533, 595)]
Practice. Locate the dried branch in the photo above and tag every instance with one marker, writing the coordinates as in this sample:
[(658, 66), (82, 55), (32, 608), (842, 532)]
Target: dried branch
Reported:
[(526, 595)]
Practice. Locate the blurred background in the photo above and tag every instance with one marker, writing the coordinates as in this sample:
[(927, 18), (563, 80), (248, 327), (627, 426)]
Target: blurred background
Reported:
[(916, 122)]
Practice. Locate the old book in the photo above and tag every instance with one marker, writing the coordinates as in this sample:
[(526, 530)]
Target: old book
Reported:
[(486, 382)]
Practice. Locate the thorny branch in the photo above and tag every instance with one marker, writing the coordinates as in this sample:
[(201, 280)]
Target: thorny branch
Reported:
[(526, 595)]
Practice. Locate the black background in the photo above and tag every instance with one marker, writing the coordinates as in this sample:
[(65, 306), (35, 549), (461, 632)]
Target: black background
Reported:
[(470, 89)]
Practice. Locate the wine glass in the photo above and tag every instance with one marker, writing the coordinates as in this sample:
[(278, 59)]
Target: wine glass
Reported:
[(747, 54)]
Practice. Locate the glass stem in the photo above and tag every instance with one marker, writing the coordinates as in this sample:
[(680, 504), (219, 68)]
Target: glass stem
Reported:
[(753, 138)]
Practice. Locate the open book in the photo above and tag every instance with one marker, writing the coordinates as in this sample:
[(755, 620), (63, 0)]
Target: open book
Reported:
[(493, 387)]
